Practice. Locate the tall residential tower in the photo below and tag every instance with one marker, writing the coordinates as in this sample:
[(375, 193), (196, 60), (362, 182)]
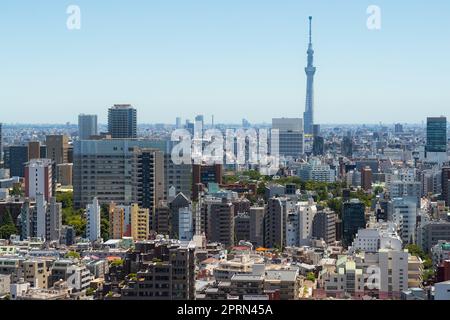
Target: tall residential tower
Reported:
[(310, 70)]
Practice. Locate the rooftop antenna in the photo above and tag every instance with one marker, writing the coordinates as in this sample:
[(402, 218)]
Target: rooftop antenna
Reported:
[(310, 29)]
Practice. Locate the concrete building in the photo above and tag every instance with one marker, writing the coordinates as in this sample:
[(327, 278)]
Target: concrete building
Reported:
[(179, 203), (220, 221), (110, 170), (445, 183), (442, 291), (140, 223), (431, 232), (324, 226), (34, 150), (41, 220), (78, 277), (257, 225), (147, 177), (57, 148), (65, 172), (122, 122), (275, 223), (291, 136), (87, 126), (165, 270), (202, 175), (403, 212), (39, 178), (93, 226), (116, 221), (366, 178), (242, 227), (185, 224)]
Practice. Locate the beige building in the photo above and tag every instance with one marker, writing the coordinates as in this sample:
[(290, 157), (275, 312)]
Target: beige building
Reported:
[(139, 223), (37, 272), (57, 148), (64, 172), (116, 221), (34, 150)]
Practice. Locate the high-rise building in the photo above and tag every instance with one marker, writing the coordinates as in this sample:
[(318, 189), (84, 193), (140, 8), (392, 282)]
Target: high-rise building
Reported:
[(436, 134), (178, 204), (347, 146), (202, 175), (161, 221), (257, 226), (99, 171), (436, 147), (87, 126), (403, 211), (65, 173), (318, 146), (220, 221), (34, 150), (17, 158), (310, 73), (275, 223), (353, 219), (42, 219), (57, 148), (185, 224), (178, 123), (116, 221), (324, 226), (242, 227), (366, 178), (122, 122), (290, 136), (39, 178), (148, 177), (446, 185), (140, 223), (93, 226)]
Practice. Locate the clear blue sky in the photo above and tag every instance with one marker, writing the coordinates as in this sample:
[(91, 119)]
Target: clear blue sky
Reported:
[(234, 59)]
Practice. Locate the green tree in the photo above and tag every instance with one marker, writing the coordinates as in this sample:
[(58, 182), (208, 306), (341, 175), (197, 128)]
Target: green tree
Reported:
[(7, 226), (311, 277), (73, 255)]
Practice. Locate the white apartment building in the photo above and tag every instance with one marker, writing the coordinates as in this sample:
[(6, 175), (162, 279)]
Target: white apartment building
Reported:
[(38, 178), (93, 226), (403, 212)]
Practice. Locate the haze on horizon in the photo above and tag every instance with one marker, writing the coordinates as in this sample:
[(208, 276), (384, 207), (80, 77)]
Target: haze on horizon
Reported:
[(239, 59)]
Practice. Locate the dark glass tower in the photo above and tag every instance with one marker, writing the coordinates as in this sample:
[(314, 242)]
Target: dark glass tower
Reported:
[(122, 122), (436, 135)]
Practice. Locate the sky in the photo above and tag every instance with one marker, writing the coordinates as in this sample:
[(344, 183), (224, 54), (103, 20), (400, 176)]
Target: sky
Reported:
[(233, 59)]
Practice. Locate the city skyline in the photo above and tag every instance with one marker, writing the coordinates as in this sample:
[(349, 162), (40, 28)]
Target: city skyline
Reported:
[(232, 60)]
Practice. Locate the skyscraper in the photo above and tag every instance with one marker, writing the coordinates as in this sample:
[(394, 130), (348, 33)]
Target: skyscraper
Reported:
[(291, 137), (310, 70), (87, 126), (436, 134), (436, 148), (122, 121)]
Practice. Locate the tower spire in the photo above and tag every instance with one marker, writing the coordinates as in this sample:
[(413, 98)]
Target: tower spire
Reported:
[(310, 29)]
